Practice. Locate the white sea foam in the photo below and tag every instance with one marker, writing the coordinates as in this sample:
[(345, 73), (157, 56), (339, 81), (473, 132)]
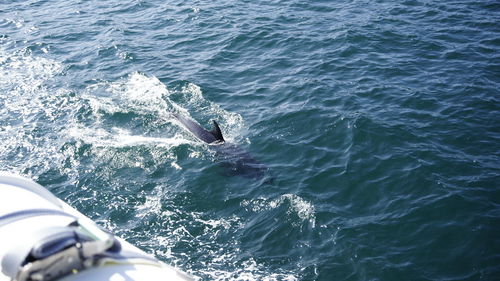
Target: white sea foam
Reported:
[(218, 262), (119, 137), (296, 205), (104, 144), (152, 205), (223, 262), (140, 88), (25, 99), (137, 93), (24, 76), (247, 270)]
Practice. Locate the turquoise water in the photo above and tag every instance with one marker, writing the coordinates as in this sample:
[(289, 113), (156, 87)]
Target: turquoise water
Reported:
[(378, 123)]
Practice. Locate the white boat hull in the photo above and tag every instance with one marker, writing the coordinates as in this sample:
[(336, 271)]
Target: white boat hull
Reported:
[(28, 211)]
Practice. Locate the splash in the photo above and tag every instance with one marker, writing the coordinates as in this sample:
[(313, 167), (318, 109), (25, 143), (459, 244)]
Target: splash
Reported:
[(213, 261), (24, 81), (245, 271), (231, 123), (141, 94), (119, 137), (28, 105), (296, 205), (137, 93), (152, 204)]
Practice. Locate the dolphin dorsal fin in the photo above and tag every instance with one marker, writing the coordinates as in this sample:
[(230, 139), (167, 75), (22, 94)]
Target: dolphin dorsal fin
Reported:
[(216, 132)]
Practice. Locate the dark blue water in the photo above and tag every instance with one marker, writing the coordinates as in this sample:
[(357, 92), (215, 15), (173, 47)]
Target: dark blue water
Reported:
[(377, 122)]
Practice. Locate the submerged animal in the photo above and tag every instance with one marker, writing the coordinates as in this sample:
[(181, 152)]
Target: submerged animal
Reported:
[(235, 159)]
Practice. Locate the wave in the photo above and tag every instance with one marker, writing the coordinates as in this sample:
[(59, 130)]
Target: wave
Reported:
[(296, 205), (199, 234)]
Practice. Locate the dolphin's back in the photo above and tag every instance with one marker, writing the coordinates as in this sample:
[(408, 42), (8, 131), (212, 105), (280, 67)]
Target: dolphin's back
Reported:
[(199, 131), (237, 160)]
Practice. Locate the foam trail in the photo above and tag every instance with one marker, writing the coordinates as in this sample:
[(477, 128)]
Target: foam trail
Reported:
[(118, 137)]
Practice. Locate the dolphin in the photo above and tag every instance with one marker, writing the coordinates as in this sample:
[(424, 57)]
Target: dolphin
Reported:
[(235, 159)]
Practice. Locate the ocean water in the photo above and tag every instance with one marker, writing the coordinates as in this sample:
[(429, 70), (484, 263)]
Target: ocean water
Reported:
[(378, 123)]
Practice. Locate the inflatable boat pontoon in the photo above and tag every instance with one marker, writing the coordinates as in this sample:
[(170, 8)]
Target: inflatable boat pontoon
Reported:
[(42, 238)]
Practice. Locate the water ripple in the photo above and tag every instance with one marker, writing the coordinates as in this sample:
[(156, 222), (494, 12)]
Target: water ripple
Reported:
[(377, 121)]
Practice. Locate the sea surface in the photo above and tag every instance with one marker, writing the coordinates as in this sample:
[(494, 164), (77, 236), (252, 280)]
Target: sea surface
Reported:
[(377, 122)]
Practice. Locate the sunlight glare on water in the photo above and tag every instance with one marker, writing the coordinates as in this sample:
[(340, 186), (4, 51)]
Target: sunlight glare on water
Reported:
[(374, 125)]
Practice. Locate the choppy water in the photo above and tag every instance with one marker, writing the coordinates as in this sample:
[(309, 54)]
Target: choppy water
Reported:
[(378, 122)]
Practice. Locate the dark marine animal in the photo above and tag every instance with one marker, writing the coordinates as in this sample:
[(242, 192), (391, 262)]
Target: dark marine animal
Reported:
[(232, 157)]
